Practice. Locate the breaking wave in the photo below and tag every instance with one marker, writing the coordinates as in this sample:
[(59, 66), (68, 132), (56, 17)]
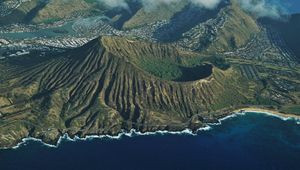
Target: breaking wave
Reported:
[(134, 133)]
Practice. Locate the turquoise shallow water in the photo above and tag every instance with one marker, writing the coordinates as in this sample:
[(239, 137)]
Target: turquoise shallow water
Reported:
[(46, 33), (253, 141)]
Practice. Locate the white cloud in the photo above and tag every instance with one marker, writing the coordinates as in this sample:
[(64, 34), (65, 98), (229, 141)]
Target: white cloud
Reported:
[(260, 8), (115, 3), (151, 4), (263, 8), (209, 4)]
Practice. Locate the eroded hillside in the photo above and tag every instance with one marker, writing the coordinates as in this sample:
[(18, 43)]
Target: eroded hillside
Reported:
[(100, 89)]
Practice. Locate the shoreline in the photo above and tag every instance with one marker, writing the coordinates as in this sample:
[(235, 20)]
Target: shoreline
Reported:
[(133, 132), (269, 112)]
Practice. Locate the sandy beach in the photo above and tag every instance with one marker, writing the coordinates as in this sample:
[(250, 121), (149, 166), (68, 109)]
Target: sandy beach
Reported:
[(268, 111)]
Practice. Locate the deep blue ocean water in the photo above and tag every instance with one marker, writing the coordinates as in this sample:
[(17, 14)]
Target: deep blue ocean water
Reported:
[(254, 141), (293, 6)]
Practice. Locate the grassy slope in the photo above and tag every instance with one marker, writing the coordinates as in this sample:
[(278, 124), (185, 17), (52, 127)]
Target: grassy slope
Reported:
[(162, 12), (238, 29), (59, 9), (55, 10)]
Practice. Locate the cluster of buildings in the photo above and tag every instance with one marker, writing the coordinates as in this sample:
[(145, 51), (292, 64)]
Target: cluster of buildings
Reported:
[(7, 6), (4, 42), (21, 48), (66, 42), (147, 31), (285, 85), (267, 47), (17, 28), (202, 34)]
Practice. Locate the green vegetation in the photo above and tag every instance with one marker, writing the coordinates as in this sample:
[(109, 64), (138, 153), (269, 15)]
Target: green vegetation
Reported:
[(236, 31), (61, 9), (162, 12), (259, 100), (162, 68), (50, 20), (218, 61), (293, 109), (167, 70), (91, 1)]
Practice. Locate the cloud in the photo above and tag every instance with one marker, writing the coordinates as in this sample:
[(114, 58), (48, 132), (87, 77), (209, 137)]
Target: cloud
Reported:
[(152, 4), (209, 4), (260, 8), (115, 3), (264, 8)]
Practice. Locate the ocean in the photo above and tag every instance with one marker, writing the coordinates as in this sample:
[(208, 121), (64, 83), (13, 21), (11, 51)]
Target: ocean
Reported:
[(293, 6), (250, 141)]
